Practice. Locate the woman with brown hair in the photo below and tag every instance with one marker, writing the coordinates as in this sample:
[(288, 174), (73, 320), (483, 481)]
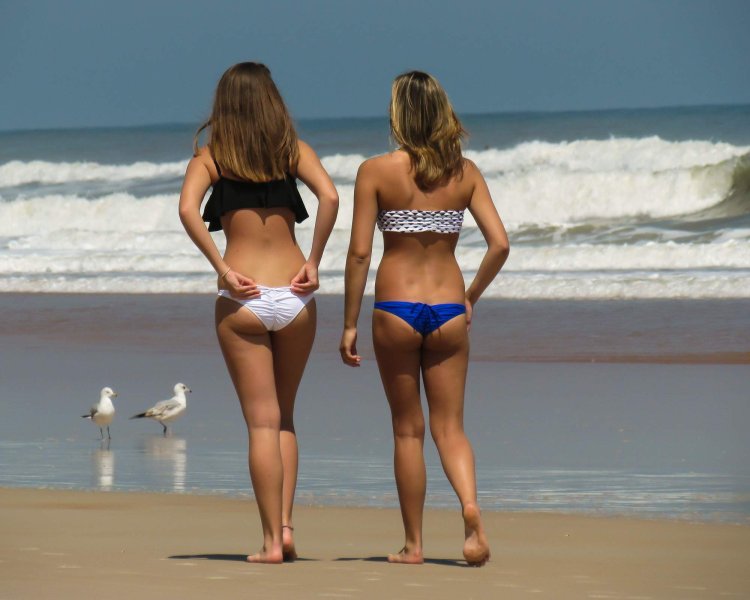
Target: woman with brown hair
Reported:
[(417, 195), (265, 312)]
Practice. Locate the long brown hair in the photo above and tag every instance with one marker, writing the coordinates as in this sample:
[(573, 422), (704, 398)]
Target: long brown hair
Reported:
[(424, 125), (251, 132)]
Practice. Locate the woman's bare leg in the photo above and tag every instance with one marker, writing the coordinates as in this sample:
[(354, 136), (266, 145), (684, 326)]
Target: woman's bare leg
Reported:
[(291, 348), (397, 349), (445, 359), (247, 351)]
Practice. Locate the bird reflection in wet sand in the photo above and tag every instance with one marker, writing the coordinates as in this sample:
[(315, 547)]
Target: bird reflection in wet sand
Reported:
[(168, 453), (103, 462)]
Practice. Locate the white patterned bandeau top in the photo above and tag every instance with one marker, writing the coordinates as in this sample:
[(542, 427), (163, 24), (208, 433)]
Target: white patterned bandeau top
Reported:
[(416, 221)]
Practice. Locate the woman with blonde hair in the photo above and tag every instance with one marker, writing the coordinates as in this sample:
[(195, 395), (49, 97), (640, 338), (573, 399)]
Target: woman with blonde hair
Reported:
[(265, 311), (417, 196)]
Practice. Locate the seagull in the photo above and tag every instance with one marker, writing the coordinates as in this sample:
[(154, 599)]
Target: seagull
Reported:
[(167, 410), (103, 412)]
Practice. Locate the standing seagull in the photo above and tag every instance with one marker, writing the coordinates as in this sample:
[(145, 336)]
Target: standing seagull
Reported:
[(167, 410), (103, 412)]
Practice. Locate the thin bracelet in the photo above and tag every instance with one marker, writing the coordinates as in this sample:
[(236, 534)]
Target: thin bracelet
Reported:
[(225, 272)]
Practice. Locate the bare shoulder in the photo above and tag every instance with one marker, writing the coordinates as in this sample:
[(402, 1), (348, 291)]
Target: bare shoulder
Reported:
[(204, 159), (470, 169), (305, 149), (199, 176), (203, 155), (383, 164), (306, 160), (368, 166), (471, 176)]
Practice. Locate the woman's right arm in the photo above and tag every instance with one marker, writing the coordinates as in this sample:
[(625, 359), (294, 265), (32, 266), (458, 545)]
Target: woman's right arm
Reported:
[(365, 213), (194, 187), (482, 208)]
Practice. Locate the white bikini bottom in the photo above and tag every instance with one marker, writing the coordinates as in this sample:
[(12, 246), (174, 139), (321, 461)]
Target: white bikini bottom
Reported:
[(275, 307)]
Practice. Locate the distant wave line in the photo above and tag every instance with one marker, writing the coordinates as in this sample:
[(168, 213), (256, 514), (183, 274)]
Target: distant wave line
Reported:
[(647, 154)]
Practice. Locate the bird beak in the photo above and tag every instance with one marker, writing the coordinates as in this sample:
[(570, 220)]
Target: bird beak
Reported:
[(189, 390), (114, 394)]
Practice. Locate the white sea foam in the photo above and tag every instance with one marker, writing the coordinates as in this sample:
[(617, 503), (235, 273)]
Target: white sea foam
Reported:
[(114, 212), (148, 261), (78, 252), (649, 154), (342, 167), (603, 285), (535, 182), (550, 196), (650, 256), (556, 196), (510, 285), (16, 172), (121, 243)]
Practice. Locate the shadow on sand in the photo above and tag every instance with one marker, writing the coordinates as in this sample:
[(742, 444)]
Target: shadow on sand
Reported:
[(446, 562), (227, 557)]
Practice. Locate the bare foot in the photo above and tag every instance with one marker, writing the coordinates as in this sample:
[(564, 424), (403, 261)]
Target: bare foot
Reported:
[(288, 549), (274, 557), (407, 557), (476, 547)]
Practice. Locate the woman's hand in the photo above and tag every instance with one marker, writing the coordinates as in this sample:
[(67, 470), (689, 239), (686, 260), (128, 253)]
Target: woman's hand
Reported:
[(239, 286), (348, 347), (469, 313), (306, 281)]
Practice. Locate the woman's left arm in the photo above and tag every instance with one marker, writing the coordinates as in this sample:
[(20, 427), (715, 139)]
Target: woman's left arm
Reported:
[(311, 172)]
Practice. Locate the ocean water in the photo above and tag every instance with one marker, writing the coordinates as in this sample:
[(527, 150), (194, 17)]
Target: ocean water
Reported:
[(608, 204)]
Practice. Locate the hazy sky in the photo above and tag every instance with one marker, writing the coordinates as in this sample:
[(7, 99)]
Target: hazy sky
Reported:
[(100, 62)]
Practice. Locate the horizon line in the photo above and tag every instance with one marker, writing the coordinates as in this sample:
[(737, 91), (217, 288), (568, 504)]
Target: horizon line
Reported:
[(155, 124)]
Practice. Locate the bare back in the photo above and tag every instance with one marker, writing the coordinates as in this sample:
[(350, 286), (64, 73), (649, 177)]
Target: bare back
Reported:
[(260, 241), (418, 267)]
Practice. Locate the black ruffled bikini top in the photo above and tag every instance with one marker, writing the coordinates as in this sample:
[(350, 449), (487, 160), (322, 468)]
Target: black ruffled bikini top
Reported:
[(233, 194)]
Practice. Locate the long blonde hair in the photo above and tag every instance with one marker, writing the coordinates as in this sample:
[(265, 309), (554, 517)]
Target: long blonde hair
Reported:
[(251, 132), (424, 125)]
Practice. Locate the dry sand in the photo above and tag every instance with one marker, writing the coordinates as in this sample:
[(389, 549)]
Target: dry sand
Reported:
[(73, 544)]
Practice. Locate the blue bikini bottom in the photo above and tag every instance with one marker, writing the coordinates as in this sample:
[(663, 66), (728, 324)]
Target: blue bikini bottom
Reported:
[(424, 318)]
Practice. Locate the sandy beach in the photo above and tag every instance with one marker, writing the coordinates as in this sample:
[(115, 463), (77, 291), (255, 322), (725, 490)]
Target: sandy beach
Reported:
[(65, 544), (588, 388)]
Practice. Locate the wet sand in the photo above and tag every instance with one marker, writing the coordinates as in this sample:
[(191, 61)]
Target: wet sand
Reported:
[(63, 544), (628, 331)]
